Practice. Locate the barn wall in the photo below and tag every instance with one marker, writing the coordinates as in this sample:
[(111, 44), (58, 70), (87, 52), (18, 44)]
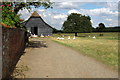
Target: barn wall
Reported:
[(42, 27), (13, 41)]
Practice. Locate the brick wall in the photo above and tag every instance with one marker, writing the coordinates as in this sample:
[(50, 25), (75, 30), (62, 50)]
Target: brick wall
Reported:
[(13, 41)]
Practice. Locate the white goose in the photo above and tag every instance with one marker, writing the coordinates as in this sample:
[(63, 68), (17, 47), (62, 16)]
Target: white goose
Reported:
[(34, 35), (94, 37), (74, 38), (68, 37), (58, 38), (61, 38), (41, 35)]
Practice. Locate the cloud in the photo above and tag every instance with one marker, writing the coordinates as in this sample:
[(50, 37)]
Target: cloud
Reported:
[(104, 15), (26, 14), (108, 19), (60, 16), (85, 1), (41, 10), (98, 11), (112, 5), (73, 11), (66, 5)]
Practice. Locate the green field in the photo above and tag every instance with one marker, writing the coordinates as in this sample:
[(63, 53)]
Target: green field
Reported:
[(103, 48)]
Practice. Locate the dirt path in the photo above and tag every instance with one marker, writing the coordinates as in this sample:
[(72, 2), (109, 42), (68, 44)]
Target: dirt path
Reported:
[(57, 61)]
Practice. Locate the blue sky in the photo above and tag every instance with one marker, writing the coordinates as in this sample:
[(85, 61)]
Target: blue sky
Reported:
[(105, 12)]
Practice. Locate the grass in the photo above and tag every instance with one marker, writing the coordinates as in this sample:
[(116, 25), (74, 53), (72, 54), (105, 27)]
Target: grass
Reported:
[(103, 48)]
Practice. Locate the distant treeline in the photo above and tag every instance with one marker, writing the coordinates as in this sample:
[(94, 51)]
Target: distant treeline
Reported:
[(106, 29)]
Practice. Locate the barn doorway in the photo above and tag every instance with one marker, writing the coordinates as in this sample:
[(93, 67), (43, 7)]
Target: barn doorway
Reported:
[(34, 30)]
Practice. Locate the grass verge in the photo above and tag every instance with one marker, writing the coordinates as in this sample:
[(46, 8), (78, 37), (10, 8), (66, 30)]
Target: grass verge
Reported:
[(104, 50)]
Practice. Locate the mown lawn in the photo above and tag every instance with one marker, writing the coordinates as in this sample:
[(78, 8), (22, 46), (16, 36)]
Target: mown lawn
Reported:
[(103, 48)]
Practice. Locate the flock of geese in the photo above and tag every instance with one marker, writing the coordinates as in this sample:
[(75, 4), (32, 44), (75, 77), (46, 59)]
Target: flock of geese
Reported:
[(62, 38)]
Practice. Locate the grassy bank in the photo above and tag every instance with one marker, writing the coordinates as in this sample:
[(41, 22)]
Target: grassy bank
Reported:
[(103, 48)]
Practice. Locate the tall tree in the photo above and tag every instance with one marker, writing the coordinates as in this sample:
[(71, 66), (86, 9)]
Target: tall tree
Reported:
[(10, 11), (76, 23), (101, 26)]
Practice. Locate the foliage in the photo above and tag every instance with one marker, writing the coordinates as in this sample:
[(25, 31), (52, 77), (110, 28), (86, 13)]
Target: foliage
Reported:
[(22, 5), (77, 23), (10, 11), (107, 29), (101, 27), (9, 17), (57, 31)]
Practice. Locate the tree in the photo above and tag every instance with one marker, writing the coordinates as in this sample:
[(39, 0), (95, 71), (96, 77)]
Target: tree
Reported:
[(22, 5), (9, 17), (10, 11), (76, 23), (101, 26)]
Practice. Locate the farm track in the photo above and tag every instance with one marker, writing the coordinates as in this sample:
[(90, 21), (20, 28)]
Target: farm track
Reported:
[(47, 59)]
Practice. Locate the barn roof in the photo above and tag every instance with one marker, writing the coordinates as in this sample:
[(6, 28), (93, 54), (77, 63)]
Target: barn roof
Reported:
[(35, 14)]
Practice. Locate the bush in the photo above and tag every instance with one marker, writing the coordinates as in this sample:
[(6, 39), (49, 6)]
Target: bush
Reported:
[(9, 17)]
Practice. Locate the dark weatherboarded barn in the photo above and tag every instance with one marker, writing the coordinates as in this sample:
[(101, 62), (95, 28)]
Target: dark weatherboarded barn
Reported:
[(36, 25)]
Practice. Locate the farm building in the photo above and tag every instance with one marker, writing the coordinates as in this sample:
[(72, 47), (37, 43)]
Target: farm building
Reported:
[(36, 25)]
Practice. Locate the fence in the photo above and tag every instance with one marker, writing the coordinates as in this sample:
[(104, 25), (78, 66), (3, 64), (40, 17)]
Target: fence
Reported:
[(13, 45)]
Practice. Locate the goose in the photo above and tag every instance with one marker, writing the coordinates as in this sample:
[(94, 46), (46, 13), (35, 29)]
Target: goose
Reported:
[(41, 35), (58, 38), (68, 37), (34, 35), (74, 38), (61, 38), (94, 37)]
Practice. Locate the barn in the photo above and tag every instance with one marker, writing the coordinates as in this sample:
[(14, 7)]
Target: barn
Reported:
[(36, 25)]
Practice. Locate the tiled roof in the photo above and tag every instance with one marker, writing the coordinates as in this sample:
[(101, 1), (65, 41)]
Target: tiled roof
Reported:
[(35, 14)]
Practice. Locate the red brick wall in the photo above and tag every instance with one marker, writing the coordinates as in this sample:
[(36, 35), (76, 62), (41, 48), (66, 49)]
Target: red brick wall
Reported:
[(13, 41)]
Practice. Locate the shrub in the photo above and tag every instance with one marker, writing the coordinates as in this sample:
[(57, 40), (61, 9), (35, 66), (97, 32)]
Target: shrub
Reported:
[(9, 17)]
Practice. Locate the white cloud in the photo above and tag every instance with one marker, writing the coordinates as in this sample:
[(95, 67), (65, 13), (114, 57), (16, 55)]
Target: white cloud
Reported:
[(85, 0), (44, 15), (26, 14), (41, 10), (98, 11), (67, 5), (108, 19), (59, 16), (112, 5), (73, 11)]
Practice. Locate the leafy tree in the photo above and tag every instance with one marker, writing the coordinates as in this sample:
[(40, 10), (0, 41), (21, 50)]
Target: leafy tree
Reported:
[(22, 5), (76, 23), (101, 26), (10, 11), (9, 17)]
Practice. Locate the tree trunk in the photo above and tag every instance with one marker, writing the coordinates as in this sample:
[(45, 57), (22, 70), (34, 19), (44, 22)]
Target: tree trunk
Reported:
[(75, 34)]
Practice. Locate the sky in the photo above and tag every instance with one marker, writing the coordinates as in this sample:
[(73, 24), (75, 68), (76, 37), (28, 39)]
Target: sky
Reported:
[(100, 12)]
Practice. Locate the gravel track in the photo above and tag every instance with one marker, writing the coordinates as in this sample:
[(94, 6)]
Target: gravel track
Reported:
[(47, 59)]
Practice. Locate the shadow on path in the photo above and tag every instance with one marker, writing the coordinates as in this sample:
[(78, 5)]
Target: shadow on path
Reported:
[(37, 44)]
